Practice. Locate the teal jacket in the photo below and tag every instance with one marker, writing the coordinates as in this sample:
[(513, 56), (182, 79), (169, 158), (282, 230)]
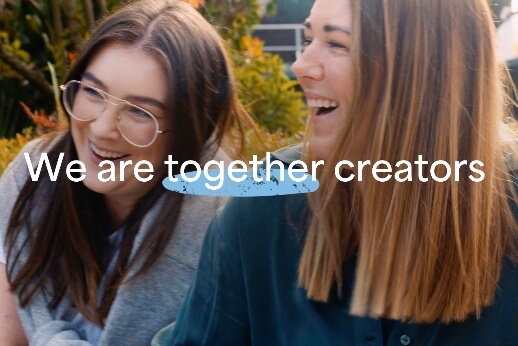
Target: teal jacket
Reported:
[(246, 293)]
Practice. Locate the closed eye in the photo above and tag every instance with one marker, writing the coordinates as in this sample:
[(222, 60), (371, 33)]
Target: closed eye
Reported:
[(139, 113), (305, 43), (92, 92), (336, 45)]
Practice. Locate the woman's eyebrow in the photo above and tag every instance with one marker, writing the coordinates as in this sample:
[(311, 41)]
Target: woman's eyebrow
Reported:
[(331, 28), (148, 100), (132, 98), (328, 27), (89, 76)]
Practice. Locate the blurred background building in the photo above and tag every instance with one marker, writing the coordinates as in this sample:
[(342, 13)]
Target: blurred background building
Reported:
[(508, 37), (282, 32)]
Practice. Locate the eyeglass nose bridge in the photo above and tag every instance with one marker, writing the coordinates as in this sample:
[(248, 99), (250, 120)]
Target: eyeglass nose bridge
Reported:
[(105, 107), (107, 98), (113, 103)]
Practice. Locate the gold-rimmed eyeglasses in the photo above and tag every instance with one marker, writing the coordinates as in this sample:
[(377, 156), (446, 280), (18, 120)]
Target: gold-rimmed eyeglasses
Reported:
[(85, 103)]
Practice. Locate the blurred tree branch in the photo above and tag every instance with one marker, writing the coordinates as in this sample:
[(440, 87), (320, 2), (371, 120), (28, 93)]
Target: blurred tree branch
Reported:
[(230, 10), (6, 4), (56, 21), (102, 8), (35, 77), (89, 13), (73, 25)]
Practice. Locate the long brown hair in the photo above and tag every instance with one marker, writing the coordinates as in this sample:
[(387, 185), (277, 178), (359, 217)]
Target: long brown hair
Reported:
[(58, 233), (427, 79)]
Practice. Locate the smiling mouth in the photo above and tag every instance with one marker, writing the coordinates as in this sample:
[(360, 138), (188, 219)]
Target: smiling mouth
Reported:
[(107, 155), (322, 106)]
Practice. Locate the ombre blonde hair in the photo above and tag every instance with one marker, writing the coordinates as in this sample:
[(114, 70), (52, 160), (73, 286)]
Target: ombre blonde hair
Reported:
[(428, 82)]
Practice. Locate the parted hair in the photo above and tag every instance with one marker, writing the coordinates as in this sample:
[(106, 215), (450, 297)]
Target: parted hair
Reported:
[(68, 242), (428, 82)]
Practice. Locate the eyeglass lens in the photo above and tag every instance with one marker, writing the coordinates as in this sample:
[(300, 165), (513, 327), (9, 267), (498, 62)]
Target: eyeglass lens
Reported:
[(84, 102)]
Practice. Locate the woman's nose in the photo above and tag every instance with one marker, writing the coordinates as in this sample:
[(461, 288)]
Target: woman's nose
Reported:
[(309, 64), (105, 125)]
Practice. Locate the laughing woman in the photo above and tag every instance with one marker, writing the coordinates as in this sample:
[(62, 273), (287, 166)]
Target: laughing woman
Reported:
[(109, 263), (369, 262)]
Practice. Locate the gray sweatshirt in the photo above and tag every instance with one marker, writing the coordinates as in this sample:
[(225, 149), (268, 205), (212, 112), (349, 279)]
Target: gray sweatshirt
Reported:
[(142, 306)]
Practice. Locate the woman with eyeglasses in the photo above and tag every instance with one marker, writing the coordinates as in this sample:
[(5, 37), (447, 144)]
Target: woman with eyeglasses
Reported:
[(108, 261), (398, 256)]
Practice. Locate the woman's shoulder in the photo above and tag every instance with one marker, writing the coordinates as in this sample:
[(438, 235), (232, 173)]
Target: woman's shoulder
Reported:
[(17, 168), (34, 149), (255, 210), (43, 143), (288, 154), (221, 155), (29, 157), (265, 217)]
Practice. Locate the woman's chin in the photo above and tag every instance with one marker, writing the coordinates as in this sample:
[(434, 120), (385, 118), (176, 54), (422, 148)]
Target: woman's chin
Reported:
[(321, 147)]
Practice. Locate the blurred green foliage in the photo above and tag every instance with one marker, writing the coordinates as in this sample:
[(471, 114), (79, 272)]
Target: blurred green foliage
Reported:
[(9, 147), (33, 33), (265, 90)]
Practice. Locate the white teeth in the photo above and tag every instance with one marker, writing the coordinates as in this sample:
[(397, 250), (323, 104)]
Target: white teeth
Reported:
[(322, 103), (106, 154)]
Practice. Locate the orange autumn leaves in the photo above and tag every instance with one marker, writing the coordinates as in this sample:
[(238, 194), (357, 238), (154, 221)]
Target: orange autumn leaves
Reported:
[(44, 122), (252, 47), (196, 3)]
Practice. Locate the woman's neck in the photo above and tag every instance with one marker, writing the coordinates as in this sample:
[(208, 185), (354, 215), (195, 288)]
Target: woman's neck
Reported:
[(118, 209)]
